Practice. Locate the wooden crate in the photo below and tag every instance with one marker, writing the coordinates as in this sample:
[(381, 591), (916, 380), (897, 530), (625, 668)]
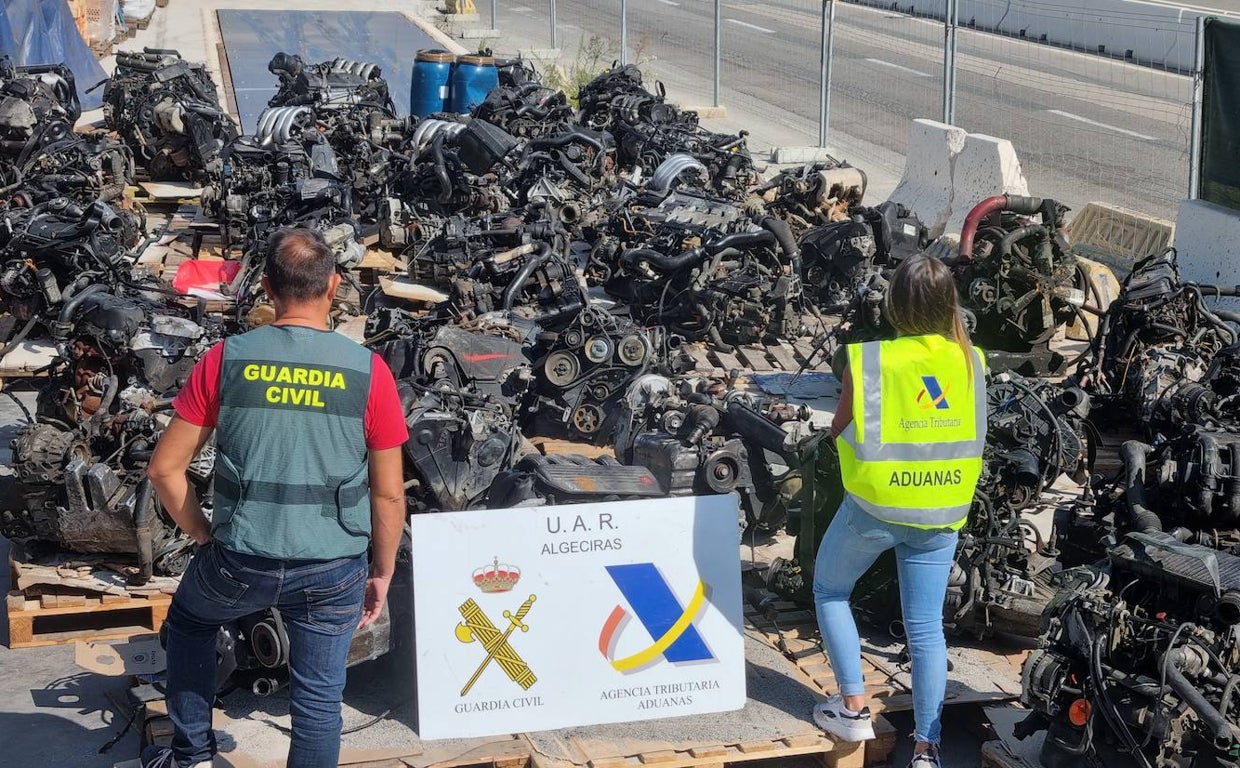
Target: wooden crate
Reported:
[(56, 619)]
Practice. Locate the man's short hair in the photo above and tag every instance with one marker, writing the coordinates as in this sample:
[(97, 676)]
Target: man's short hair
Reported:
[(299, 264)]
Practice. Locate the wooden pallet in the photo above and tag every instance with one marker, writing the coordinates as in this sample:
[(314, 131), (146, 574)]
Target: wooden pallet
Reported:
[(793, 630), (489, 753), (170, 195), (832, 754), (783, 357), (56, 619), (31, 356), (73, 575)]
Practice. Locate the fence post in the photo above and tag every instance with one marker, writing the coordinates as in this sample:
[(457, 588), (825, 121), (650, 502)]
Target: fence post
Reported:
[(718, 46), (949, 62), (555, 41), (1194, 154), (624, 31), (824, 72)]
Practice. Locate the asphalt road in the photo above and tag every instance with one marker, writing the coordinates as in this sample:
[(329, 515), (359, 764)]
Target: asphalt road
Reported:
[(1086, 127)]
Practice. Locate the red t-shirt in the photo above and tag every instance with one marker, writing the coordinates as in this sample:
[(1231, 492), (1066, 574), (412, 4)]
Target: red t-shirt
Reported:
[(199, 401)]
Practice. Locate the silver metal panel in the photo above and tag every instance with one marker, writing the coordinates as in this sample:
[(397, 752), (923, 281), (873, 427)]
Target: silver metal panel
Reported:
[(251, 38)]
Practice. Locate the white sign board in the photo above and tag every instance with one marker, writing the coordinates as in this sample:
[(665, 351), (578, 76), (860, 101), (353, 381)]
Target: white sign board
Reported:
[(538, 618)]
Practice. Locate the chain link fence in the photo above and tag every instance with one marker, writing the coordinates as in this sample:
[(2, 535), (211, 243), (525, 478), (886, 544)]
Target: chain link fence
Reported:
[(1087, 126), (1097, 103)]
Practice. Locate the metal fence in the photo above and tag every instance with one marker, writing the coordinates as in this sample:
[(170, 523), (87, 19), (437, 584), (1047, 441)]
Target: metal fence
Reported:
[(1098, 105)]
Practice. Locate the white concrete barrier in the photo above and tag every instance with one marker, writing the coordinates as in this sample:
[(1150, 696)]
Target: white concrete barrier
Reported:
[(1149, 33), (1207, 241), (926, 186), (948, 171), (987, 166)]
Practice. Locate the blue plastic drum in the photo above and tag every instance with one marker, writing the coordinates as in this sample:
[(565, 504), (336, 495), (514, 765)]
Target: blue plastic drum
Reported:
[(429, 90), (472, 79)]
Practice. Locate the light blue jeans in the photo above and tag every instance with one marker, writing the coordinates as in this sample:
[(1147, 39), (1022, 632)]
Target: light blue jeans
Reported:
[(850, 546)]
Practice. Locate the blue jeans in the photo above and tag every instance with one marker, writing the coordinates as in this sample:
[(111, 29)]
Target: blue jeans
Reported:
[(321, 604), (852, 543)]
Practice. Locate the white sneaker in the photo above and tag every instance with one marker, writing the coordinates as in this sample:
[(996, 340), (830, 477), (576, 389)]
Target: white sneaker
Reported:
[(927, 759), (834, 718)]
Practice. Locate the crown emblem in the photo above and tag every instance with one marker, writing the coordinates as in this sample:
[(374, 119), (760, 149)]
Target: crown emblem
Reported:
[(497, 577)]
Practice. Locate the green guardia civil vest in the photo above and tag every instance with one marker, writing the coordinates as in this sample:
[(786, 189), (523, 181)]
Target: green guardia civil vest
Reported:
[(292, 480), (913, 452)]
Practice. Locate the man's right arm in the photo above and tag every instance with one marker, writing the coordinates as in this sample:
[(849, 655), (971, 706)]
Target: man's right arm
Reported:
[(387, 520), (385, 435)]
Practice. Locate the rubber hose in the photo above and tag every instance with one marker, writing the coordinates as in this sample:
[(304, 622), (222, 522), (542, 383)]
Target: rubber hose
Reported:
[(661, 261), (1133, 454), (1233, 489), (555, 315), (1228, 608), (754, 426), (1228, 315), (1209, 468), (70, 306), (143, 518), (741, 240), (1210, 717), (1020, 233), (441, 169), (105, 402), (568, 138), (1016, 204), (523, 274), (704, 418), (787, 243), (1027, 467)]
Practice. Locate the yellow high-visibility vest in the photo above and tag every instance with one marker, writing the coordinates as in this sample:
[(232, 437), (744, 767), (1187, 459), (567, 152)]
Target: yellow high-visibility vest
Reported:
[(913, 452)]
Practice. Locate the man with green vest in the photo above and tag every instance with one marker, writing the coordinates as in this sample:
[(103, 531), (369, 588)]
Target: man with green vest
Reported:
[(910, 430), (308, 477)]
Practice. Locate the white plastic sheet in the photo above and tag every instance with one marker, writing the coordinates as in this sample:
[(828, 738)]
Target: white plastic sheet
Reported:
[(136, 10)]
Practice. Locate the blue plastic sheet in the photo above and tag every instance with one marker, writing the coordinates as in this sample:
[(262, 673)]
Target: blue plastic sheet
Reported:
[(8, 42), (43, 32)]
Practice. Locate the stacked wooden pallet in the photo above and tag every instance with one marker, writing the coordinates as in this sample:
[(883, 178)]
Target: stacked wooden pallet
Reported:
[(778, 357), (56, 618), (81, 598)]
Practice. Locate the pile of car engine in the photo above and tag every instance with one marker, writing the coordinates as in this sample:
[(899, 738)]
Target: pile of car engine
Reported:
[(565, 262)]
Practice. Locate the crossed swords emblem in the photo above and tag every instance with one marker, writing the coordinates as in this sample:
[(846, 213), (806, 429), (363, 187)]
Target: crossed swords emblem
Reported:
[(477, 627)]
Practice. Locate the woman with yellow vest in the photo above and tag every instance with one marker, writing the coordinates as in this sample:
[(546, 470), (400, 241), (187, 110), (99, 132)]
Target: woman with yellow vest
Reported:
[(910, 430)]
